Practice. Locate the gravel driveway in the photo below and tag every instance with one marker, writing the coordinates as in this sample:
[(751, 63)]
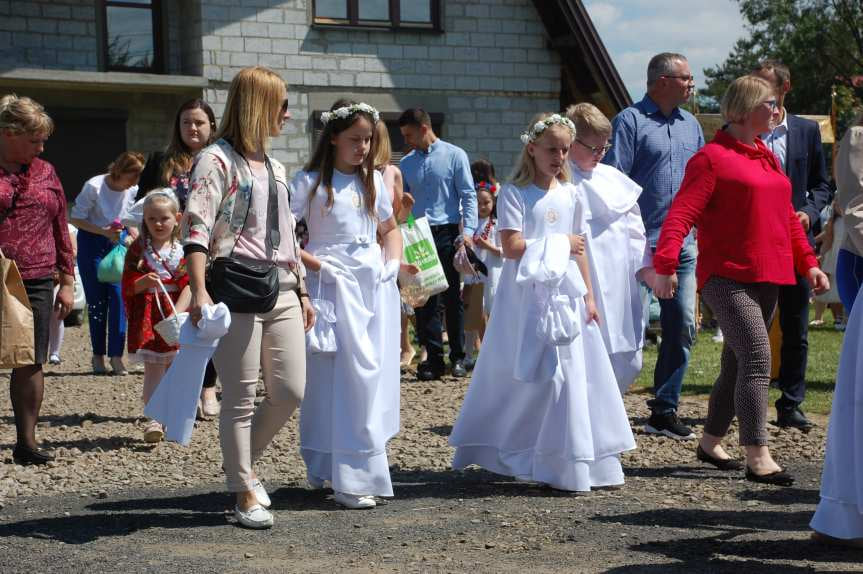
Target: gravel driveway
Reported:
[(111, 503)]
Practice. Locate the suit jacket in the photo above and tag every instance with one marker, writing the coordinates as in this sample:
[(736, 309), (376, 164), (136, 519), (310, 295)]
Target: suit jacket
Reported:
[(804, 166)]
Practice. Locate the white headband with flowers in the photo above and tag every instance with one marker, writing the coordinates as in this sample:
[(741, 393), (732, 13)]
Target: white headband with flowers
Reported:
[(533, 133), (348, 111)]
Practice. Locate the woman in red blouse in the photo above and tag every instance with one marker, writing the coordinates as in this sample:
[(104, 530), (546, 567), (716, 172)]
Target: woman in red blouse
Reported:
[(33, 233), (749, 242)]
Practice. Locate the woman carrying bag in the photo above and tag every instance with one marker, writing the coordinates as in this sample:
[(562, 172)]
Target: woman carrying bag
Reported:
[(33, 234), (238, 236)]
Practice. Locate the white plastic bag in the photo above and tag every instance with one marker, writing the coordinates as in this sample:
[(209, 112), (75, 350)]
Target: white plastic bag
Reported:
[(321, 338), (420, 250)]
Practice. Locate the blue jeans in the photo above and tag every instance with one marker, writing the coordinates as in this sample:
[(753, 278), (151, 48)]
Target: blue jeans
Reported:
[(105, 312), (677, 319), (849, 277)]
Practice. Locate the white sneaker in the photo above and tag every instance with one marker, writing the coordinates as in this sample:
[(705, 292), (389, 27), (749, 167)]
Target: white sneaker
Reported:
[(256, 517), (355, 501), (54, 359), (261, 493)]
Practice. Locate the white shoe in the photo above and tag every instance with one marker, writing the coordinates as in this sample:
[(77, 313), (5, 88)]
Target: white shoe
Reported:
[(256, 517), (355, 501), (154, 432), (261, 493), (54, 359), (209, 404), (316, 483)]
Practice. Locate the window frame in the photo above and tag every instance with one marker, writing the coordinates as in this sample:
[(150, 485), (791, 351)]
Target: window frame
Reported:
[(155, 8), (394, 23)]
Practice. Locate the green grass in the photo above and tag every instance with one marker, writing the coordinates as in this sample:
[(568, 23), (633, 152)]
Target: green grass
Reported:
[(824, 346)]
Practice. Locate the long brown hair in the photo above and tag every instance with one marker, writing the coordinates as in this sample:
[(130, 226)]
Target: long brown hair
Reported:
[(324, 159), (178, 156)]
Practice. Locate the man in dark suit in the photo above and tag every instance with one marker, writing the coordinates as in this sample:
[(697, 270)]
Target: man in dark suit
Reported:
[(797, 144)]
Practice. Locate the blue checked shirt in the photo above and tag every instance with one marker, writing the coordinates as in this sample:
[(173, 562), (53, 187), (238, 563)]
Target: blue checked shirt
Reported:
[(441, 184), (653, 151)]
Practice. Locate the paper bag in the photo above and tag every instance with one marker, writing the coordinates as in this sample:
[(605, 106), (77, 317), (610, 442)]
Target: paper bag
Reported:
[(17, 347)]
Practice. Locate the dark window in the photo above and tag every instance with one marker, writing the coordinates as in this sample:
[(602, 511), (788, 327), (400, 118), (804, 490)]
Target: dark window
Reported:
[(393, 14), (391, 119), (132, 35)]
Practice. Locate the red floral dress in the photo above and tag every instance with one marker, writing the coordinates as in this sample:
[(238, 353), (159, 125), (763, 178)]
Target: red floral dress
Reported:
[(141, 309)]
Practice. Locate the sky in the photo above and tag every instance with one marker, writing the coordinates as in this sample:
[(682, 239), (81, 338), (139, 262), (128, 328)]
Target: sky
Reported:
[(634, 30)]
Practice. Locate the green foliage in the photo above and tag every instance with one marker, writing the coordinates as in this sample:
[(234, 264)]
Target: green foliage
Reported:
[(820, 40)]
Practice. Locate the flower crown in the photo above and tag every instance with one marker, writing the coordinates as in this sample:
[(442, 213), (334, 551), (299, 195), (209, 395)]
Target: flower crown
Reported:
[(539, 127), (490, 186), (348, 111)]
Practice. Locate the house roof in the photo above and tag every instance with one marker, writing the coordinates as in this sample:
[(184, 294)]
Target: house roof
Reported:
[(589, 72)]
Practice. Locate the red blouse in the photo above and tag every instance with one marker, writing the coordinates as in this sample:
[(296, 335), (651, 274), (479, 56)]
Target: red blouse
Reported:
[(740, 200), (35, 234)]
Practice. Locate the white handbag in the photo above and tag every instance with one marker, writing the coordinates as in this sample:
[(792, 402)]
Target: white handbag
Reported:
[(321, 338), (169, 327)]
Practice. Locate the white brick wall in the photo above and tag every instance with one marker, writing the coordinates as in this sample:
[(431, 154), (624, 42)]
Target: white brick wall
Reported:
[(489, 72)]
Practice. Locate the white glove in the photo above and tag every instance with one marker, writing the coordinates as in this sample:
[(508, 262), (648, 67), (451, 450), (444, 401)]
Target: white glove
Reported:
[(390, 270), (329, 273)]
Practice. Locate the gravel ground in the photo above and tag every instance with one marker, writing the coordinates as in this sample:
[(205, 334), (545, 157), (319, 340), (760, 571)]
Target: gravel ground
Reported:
[(110, 501)]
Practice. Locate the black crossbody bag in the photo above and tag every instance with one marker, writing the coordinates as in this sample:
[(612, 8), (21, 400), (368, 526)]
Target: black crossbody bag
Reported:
[(243, 286)]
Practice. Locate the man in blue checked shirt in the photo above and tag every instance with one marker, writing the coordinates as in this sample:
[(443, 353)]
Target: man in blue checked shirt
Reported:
[(652, 142), (437, 175)]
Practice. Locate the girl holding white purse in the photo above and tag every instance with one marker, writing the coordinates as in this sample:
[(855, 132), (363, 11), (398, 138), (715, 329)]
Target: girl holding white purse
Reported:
[(351, 406), (155, 287)]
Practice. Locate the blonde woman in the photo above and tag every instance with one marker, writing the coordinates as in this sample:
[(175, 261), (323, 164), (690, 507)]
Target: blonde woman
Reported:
[(238, 221), (750, 241), (33, 233), (97, 213)]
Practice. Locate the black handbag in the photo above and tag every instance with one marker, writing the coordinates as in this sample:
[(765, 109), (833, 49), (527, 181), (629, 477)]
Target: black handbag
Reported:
[(248, 286)]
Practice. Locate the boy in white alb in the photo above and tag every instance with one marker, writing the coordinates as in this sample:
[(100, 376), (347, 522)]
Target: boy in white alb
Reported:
[(619, 257)]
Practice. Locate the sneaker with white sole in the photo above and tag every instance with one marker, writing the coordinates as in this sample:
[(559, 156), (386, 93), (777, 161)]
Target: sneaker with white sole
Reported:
[(256, 517), (355, 501), (261, 493), (668, 425)]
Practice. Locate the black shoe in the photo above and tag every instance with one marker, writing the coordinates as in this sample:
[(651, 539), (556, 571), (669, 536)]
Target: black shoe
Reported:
[(426, 372), (668, 425), (720, 463), (27, 456), (778, 478), (469, 363), (459, 370), (794, 418)]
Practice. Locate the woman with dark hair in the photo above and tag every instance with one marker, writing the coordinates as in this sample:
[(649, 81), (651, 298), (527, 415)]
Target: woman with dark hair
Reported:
[(33, 233), (351, 408), (194, 129)]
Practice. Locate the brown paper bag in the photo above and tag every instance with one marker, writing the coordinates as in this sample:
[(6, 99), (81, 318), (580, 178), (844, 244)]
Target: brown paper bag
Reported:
[(16, 319)]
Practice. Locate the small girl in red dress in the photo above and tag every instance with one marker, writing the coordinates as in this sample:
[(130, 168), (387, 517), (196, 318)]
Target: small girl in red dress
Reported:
[(156, 256)]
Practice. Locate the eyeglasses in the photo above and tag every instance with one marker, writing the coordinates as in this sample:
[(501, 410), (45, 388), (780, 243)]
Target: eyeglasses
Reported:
[(599, 150), (688, 79), (285, 106), (772, 104)]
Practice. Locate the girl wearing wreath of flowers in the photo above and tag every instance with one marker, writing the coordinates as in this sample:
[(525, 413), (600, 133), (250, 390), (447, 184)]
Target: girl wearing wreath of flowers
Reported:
[(351, 406), (543, 404)]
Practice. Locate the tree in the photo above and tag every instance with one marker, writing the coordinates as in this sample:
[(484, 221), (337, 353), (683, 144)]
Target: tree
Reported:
[(820, 40)]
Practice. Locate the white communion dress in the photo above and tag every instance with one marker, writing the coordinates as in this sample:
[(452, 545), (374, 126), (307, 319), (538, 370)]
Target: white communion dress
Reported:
[(543, 404), (840, 511), (351, 404), (617, 247)]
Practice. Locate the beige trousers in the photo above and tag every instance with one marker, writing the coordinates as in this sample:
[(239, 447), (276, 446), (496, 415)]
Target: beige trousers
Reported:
[(273, 343)]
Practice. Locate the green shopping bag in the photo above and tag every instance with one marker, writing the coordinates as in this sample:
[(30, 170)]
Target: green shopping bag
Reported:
[(111, 267), (420, 250)]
